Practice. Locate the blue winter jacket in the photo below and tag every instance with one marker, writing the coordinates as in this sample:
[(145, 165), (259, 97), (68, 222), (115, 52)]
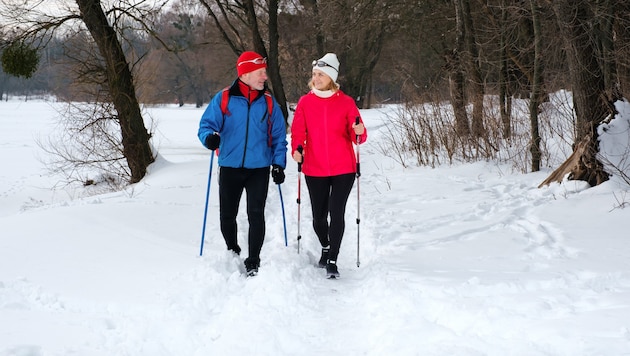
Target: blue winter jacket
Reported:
[(245, 130)]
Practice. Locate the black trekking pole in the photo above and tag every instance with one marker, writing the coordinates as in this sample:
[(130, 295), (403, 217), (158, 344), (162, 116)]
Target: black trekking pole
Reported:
[(299, 202), (358, 200)]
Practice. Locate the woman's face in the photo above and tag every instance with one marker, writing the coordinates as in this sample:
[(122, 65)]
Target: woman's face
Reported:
[(321, 81)]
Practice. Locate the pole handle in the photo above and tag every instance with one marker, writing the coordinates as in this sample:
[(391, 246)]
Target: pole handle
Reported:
[(301, 150)]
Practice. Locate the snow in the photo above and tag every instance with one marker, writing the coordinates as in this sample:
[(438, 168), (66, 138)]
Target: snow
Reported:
[(468, 259)]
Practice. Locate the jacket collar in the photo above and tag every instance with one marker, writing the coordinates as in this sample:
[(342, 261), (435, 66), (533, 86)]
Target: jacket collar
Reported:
[(235, 90)]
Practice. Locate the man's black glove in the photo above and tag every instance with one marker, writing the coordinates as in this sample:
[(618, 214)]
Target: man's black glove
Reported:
[(212, 141), (277, 173)]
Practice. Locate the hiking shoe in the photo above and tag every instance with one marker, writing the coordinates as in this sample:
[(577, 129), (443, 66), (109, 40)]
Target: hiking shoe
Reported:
[(324, 259), (331, 270), (251, 267)]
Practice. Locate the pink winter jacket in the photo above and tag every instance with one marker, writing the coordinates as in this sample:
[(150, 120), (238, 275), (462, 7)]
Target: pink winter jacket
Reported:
[(323, 126)]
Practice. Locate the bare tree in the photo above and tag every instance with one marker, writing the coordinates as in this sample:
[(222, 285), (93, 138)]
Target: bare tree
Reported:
[(135, 138), (234, 19), (35, 22)]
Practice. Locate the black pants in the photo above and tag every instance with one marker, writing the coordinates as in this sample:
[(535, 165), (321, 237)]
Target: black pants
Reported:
[(329, 196), (232, 182)]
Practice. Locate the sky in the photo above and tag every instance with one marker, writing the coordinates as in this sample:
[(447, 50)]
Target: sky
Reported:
[(464, 259)]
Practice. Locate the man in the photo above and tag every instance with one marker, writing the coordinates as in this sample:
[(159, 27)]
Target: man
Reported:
[(247, 127)]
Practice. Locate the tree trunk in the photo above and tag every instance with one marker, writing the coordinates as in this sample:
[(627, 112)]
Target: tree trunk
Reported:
[(536, 94), (605, 28), (589, 97), (576, 22), (505, 97), (456, 91), (274, 64), (319, 33), (135, 138), (474, 74), (622, 50), (582, 164), (456, 78)]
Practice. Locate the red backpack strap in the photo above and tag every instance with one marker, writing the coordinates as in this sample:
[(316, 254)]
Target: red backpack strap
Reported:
[(269, 100), (225, 98)]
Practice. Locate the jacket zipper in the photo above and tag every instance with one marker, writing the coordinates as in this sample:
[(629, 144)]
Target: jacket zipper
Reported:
[(249, 93)]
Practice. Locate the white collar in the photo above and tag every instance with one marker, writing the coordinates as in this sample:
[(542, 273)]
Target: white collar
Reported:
[(323, 93)]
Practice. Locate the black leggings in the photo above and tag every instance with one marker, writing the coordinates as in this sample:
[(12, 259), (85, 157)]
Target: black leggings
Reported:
[(255, 182), (329, 195)]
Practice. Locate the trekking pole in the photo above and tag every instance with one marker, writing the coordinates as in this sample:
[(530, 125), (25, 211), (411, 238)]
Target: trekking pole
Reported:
[(358, 190), (299, 237), (284, 219), (205, 210)]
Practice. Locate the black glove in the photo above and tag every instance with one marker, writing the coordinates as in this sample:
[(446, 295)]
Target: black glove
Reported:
[(277, 173), (212, 141)]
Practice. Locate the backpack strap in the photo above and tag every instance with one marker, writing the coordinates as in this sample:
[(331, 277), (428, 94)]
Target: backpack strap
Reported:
[(225, 98), (269, 100)]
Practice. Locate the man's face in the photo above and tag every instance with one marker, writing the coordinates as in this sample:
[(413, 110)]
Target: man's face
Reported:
[(256, 79)]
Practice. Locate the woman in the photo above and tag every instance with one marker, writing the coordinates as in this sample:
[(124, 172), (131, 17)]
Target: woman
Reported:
[(324, 125)]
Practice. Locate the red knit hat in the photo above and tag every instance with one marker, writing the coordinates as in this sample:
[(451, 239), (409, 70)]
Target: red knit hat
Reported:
[(249, 62)]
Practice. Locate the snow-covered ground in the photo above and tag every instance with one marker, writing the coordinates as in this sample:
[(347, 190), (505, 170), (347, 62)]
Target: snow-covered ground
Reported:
[(470, 259)]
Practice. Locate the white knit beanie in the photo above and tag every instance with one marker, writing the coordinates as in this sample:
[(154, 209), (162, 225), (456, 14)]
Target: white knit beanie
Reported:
[(328, 64)]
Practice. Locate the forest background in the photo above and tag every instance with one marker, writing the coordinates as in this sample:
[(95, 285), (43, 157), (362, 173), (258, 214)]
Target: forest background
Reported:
[(412, 52)]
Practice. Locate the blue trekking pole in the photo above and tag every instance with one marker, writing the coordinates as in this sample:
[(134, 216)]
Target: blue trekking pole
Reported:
[(205, 210), (284, 219)]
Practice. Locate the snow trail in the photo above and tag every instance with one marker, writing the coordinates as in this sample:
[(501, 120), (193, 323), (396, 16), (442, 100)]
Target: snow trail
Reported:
[(462, 260)]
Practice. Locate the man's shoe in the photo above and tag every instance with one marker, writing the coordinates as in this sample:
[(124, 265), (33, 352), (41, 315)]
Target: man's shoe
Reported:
[(324, 259), (331, 270)]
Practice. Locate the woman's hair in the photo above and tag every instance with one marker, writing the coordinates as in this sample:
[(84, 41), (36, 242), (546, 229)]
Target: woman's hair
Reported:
[(334, 86)]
